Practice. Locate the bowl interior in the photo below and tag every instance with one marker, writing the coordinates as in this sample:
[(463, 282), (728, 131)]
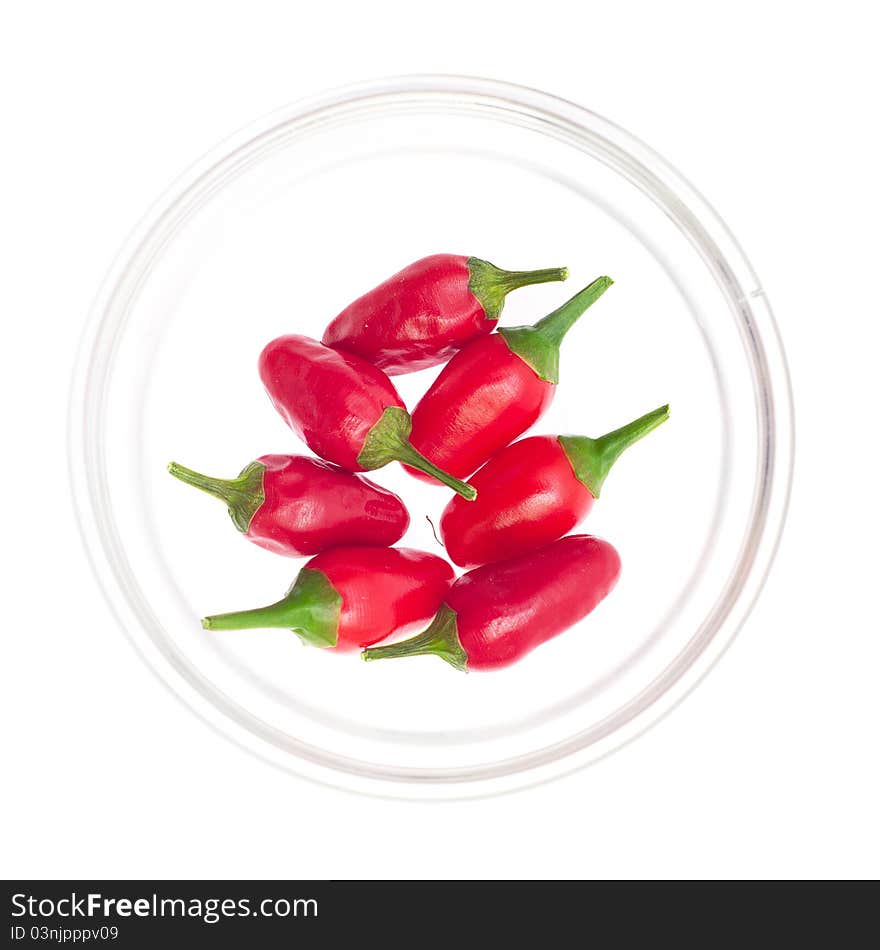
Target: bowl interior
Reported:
[(276, 234)]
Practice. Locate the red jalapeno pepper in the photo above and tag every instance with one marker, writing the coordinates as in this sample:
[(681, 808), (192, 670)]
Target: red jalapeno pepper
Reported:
[(535, 491), (294, 505), (429, 310), (346, 410), (494, 389), (494, 615), (351, 597)]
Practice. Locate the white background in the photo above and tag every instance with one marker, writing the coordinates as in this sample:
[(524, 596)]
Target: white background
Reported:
[(770, 767)]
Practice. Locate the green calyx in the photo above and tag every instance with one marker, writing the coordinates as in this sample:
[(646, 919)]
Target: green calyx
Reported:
[(440, 639), (538, 345), (388, 441), (490, 284), (310, 608), (592, 459), (243, 495)]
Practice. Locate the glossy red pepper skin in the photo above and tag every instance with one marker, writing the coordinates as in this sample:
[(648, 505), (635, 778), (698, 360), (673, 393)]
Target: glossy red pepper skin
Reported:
[(495, 615), (527, 496), (426, 312), (352, 597), (484, 398), (346, 410), (493, 390), (329, 398), (535, 491), (311, 506), (299, 506)]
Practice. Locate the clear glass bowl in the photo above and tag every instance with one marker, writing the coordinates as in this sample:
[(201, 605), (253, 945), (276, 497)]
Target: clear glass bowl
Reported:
[(276, 231)]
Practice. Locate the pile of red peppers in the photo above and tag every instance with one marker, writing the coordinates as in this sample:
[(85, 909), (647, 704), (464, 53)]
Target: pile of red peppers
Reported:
[(527, 579)]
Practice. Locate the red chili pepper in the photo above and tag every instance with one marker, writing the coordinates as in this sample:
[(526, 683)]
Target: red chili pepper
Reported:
[(352, 597), (299, 506), (494, 389), (346, 410), (535, 491), (424, 313), (494, 615)]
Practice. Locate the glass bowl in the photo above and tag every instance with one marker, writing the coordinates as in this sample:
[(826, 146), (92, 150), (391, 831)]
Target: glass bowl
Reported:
[(278, 229)]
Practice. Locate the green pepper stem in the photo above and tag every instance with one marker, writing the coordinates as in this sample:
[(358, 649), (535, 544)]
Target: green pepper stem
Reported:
[(310, 608), (242, 495), (490, 284), (592, 459), (555, 325), (538, 345), (222, 488), (440, 639), (280, 614), (407, 453), (388, 441)]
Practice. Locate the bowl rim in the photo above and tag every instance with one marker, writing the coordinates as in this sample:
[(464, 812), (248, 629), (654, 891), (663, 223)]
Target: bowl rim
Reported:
[(711, 238)]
